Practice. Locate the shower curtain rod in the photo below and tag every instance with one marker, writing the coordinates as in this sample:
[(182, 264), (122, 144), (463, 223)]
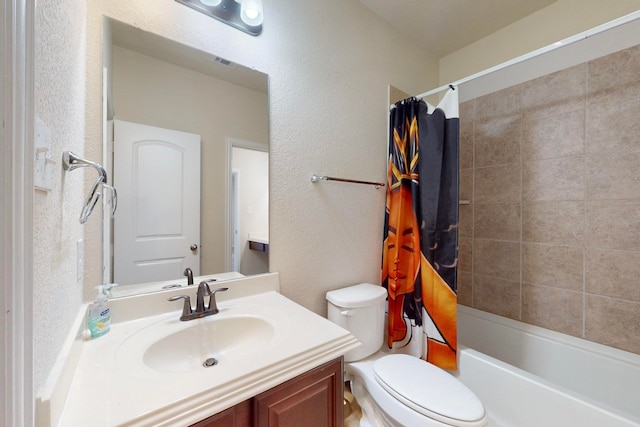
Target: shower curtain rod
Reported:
[(565, 42)]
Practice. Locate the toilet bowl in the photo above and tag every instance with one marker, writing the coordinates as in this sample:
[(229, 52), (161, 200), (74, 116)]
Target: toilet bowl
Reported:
[(396, 389)]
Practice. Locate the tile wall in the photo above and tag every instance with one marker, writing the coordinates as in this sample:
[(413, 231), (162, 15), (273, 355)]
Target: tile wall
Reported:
[(551, 168)]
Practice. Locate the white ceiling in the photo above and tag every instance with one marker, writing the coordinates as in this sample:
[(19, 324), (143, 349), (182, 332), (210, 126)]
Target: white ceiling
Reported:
[(444, 26), (440, 26)]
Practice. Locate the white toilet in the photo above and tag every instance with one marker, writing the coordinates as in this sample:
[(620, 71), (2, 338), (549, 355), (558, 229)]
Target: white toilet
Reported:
[(396, 389)]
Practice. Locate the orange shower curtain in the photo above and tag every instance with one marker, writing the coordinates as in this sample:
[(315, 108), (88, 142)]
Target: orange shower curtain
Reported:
[(419, 262)]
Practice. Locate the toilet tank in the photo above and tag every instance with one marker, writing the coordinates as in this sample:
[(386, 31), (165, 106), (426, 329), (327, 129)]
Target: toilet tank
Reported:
[(360, 310)]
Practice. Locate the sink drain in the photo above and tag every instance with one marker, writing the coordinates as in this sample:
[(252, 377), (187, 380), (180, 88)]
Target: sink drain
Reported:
[(210, 362)]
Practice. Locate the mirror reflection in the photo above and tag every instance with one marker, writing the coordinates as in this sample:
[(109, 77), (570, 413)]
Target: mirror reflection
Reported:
[(186, 146)]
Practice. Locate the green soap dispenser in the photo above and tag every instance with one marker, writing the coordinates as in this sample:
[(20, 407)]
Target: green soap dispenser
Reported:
[(99, 313)]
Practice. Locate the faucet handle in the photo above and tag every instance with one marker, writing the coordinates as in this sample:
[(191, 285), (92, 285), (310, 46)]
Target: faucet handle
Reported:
[(213, 307), (186, 307)]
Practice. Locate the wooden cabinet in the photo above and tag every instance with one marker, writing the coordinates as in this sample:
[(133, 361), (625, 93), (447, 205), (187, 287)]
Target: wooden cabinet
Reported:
[(236, 416), (313, 399)]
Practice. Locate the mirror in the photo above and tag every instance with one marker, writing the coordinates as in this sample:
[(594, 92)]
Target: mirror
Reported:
[(186, 146)]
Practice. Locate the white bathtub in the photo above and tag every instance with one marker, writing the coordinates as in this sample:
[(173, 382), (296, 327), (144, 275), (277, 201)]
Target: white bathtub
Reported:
[(531, 376)]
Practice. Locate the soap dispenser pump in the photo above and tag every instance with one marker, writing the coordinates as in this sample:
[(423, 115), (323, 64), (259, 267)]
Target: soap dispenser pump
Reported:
[(99, 313)]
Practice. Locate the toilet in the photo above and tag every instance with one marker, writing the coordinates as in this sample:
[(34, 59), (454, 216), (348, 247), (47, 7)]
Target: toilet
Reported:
[(396, 389)]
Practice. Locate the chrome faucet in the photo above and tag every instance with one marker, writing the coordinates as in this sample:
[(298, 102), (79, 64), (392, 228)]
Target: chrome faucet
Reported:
[(189, 273), (201, 310)]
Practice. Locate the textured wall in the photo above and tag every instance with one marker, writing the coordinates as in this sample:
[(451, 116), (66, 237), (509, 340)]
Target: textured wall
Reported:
[(552, 236), (60, 99), (330, 64)]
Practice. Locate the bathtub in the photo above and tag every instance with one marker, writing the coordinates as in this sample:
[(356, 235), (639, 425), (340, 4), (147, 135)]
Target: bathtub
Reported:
[(531, 376)]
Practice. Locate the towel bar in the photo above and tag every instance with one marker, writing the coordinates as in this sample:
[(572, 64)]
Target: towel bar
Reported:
[(316, 178), (71, 161)]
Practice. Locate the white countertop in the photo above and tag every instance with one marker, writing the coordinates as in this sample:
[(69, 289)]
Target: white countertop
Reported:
[(138, 288), (108, 389)]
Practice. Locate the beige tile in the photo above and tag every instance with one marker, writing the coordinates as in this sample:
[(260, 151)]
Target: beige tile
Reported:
[(553, 266), (613, 322), (502, 103), (465, 221), (466, 184), (613, 224), (562, 178), (553, 308), (498, 296), (466, 145), (614, 70), (555, 222), (497, 184), (613, 175), (465, 288), (555, 93), (613, 120), (497, 141), (553, 136), (465, 253), (467, 111), (497, 259), (613, 273), (499, 221)]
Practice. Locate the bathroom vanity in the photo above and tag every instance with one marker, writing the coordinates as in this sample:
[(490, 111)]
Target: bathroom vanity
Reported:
[(263, 360), (311, 399)]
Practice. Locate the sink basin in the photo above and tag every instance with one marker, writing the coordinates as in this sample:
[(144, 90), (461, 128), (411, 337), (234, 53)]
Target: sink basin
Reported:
[(147, 371), (234, 336), (226, 339)]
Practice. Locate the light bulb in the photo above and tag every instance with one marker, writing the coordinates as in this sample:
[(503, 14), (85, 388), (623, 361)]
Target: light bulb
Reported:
[(251, 12), (211, 2)]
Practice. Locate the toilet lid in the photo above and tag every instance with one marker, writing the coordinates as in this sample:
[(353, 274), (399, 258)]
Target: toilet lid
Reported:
[(428, 389)]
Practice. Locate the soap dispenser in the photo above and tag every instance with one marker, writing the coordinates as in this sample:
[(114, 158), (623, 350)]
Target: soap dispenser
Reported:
[(99, 313)]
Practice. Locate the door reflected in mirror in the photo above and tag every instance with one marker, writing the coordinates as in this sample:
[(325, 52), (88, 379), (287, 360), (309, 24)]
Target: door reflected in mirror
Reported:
[(203, 203)]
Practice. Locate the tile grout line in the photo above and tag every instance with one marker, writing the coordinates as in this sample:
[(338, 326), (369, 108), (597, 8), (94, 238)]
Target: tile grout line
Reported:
[(473, 201), (521, 205), (586, 188)]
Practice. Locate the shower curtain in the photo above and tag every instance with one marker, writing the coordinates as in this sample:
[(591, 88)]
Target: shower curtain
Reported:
[(419, 261)]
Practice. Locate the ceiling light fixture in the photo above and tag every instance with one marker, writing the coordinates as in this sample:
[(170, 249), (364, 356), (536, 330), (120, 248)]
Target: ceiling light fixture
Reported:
[(251, 11), (244, 15)]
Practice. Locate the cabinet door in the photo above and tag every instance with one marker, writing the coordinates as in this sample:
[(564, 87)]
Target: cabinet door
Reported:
[(313, 399), (236, 416)]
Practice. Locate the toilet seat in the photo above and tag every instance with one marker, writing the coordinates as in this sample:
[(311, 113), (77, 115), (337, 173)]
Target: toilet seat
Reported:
[(429, 390)]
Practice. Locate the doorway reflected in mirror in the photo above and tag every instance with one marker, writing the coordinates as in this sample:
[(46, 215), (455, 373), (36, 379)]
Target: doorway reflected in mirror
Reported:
[(152, 81)]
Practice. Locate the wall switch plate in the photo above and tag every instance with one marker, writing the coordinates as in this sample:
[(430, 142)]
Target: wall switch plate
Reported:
[(44, 165)]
